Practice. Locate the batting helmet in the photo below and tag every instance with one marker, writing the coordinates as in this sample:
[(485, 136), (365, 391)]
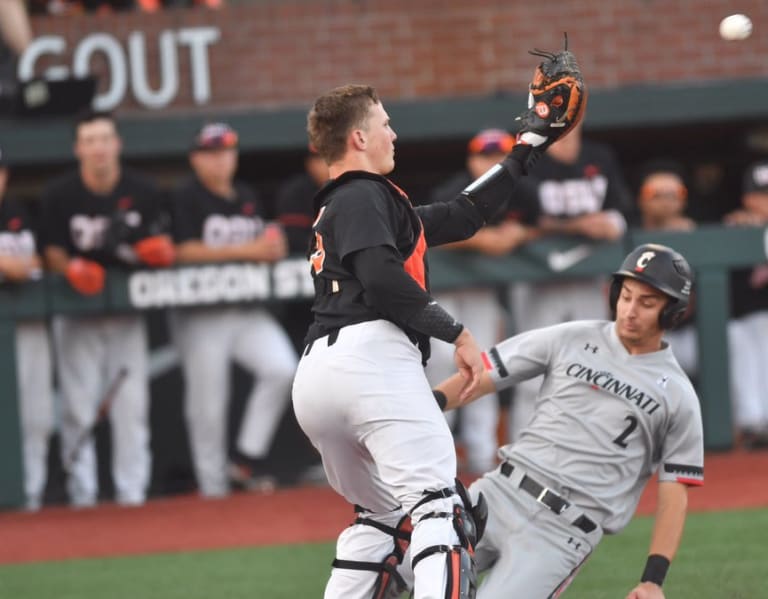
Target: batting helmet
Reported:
[(663, 269)]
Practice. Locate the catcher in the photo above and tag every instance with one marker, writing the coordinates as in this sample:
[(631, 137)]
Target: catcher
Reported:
[(360, 391)]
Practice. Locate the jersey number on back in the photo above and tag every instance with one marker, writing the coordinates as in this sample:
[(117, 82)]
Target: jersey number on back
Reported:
[(317, 259), (621, 440)]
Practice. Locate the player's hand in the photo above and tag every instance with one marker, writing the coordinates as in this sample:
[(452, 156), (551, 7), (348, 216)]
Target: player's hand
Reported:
[(646, 590), (598, 225), (270, 246), (469, 362), (15, 268)]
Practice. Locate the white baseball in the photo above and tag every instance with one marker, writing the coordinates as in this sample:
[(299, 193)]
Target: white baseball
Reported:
[(736, 27)]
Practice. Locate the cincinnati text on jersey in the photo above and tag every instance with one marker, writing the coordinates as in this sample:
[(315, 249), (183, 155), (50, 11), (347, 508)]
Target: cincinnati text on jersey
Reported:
[(606, 381)]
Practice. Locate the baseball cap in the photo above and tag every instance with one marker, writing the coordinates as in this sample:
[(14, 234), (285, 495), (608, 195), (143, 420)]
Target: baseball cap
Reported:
[(756, 178), (491, 141), (215, 136)]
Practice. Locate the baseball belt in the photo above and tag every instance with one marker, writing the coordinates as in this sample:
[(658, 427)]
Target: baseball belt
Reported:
[(548, 498)]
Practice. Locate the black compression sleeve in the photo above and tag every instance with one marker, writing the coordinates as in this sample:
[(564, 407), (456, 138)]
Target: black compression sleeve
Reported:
[(434, 321), (394, 293)]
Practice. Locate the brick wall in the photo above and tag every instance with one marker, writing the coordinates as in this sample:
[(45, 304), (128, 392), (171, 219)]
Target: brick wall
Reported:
[(284, 52)]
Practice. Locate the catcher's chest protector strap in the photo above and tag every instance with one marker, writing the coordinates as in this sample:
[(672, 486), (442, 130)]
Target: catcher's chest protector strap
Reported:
[(389, 582)]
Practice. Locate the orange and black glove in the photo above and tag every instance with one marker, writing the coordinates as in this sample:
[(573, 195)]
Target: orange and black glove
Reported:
[(557, 100), (85, 276), (157, 250)]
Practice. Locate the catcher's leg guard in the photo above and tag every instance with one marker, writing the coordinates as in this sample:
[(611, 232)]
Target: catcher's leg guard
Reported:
[(459, 569), (389, 583)]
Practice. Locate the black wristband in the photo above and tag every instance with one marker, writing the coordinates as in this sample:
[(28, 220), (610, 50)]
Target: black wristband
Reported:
[(655, 569), (440, 398)]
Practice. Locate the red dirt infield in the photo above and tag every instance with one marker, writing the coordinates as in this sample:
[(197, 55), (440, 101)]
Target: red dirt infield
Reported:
[(309, 514)]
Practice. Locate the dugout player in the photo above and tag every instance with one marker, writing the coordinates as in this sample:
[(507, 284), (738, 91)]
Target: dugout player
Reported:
[(748, 326), (614, 408), (577, 189), (82, 211), (19, 262), (217, 218), (360, 392), (477, 307)]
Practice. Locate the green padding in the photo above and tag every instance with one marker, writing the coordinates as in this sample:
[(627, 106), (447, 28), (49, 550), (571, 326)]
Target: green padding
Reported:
[(11, 478)]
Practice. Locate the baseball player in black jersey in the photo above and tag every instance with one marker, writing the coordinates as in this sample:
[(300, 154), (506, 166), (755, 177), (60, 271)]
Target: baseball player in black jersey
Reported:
[(220, 219), (19, 262), (79, 210), (748, 326), (360, 391), (614, 408)]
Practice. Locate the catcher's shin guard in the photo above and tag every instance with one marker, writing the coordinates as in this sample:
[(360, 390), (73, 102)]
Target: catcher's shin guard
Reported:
[(469, 524), (389, 583)]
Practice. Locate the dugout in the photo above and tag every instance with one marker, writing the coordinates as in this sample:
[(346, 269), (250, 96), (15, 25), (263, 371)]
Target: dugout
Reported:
[(657, 89)]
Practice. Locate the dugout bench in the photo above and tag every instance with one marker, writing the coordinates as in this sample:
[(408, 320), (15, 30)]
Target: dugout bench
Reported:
[(711, 250)]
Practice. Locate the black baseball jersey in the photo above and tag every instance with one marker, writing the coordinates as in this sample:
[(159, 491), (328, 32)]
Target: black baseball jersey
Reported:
[(199, 214), (593, 183), (17, 231), (749, 290), (295, 211), (359, 211), (79, 220)]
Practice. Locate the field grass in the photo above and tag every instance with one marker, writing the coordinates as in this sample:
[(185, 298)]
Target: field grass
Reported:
[(724, 556)]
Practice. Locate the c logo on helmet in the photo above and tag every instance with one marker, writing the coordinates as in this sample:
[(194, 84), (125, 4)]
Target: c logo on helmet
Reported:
[(643, 260)]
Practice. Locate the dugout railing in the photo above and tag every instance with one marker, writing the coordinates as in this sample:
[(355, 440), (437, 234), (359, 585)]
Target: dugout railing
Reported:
[(711, 250)]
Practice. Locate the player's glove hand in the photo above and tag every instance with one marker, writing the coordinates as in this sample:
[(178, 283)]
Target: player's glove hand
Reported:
[(85, 276), (557, 100), (157, 251)]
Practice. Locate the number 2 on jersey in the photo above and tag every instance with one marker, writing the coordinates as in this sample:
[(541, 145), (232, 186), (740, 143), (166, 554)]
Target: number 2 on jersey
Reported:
[(621, 440)]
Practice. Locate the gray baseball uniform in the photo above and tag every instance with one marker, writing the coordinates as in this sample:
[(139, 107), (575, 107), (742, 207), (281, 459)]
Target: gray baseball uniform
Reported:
[(604, 421)]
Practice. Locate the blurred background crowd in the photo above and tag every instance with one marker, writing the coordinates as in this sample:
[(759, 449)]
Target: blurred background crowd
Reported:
[(126, 406)]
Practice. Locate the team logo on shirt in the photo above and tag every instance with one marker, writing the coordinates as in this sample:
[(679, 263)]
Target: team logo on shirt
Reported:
[(125, 203), (220, 230), (601, 379)]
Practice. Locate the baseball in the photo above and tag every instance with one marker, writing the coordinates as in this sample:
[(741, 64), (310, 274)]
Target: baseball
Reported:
[(736, 27)]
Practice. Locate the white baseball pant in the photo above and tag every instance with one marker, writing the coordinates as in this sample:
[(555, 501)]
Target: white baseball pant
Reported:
[(365, 403), (35, 385), (748, 362), (91, 352), (208, 342)]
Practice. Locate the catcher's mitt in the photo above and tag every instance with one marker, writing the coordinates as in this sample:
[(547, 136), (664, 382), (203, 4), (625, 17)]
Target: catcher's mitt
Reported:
[(557, 99)]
